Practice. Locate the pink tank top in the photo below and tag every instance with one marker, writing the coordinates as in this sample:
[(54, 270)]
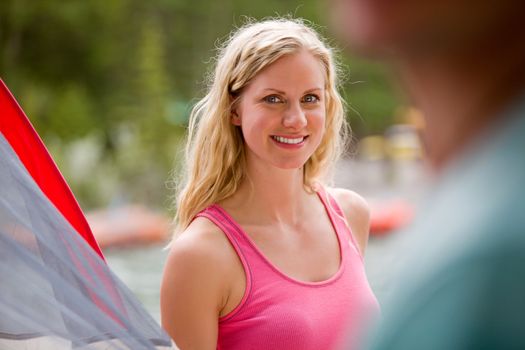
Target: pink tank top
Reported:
[(279, 312)]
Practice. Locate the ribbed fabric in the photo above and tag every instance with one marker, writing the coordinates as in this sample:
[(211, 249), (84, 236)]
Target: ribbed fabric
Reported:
[(279, 312)]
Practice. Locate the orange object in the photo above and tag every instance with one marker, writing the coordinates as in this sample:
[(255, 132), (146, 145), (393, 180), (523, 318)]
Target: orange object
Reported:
[(389, 216), (128, 226)]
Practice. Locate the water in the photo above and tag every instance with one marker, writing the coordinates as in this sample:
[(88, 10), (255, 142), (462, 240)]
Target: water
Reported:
[(141, 270)]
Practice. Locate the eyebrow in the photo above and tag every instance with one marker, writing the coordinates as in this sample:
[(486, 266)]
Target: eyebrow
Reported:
[(283, 93)]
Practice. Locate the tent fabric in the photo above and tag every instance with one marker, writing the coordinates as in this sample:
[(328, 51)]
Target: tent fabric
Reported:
[(56, 291), (26, 143)]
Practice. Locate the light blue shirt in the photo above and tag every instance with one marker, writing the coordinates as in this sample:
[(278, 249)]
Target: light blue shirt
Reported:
[(463, 286)]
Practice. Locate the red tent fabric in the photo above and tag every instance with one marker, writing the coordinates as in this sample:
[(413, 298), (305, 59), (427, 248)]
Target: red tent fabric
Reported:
[(56, 290), (23, 138)]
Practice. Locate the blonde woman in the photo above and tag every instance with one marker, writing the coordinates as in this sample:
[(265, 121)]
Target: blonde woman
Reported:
[(268, 257)]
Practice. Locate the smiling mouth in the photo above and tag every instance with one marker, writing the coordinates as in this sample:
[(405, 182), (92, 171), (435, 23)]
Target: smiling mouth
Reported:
[(289, 141)]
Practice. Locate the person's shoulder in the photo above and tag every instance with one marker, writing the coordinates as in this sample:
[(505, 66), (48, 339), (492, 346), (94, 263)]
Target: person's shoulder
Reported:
[(200, 262), (356, 211), (196, 283), (202, 243), (486, 284), (352, 204)]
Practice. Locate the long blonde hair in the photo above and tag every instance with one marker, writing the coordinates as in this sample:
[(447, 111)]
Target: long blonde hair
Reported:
[(215, 156)]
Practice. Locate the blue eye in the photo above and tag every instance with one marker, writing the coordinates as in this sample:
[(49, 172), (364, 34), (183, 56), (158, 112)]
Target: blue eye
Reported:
[(311, 98), (272, 99)]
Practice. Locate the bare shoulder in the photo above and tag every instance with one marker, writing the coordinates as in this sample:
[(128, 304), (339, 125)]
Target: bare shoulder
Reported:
[(357, 214), (351, 203), (195, 285), (199, 235), (201, 248), (198, 267)]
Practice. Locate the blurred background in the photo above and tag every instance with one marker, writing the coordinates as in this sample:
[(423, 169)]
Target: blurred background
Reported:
[(108, 85)]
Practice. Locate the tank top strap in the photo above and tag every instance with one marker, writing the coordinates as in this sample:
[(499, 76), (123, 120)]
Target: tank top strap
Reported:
[(236, 237), (338, 218), (232, 231)]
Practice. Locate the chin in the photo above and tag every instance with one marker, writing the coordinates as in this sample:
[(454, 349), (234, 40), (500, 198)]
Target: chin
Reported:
[(289, 165)]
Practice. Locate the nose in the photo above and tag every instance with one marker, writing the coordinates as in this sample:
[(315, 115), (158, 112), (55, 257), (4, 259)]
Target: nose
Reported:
[(294, 117)]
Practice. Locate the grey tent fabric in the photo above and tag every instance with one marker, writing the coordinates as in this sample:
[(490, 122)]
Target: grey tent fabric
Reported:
[(55, 291)]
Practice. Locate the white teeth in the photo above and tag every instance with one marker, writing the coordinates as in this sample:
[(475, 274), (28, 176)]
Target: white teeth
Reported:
[(289, 141)]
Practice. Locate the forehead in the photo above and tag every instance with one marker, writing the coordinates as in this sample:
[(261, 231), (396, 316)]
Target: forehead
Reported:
[(300, 70)]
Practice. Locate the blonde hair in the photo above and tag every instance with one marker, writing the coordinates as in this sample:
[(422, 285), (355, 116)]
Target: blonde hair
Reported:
[(215, 155)]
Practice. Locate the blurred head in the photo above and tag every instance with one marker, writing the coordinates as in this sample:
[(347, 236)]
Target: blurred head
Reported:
[(461, 61), (216, 149), (413, 26)]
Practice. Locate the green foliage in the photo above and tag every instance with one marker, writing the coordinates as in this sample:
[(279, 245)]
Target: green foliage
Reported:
[(369, 96), (109, 84)]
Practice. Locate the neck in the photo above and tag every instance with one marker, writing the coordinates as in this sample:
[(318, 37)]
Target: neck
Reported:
[(461, 94), (270, 194)]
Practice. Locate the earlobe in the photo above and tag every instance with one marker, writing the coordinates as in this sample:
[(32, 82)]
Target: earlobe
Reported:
[(235, 119)]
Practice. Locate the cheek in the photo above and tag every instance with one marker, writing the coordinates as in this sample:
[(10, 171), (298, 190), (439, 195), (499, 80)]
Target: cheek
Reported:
[(257, 121), (317, 121), (253, 126), (317, 126)]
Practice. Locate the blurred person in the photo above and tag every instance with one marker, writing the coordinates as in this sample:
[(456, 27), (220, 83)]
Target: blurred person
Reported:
[(463, 63), (269, 257)]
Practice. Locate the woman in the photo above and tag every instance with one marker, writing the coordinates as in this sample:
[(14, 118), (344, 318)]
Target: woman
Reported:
[(268, 257)]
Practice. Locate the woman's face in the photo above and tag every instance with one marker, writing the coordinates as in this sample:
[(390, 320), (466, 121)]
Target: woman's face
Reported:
[(282, 111)]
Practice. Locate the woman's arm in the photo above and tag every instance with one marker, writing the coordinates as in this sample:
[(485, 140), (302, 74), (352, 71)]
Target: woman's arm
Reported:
[(357, 214), (193, 288)]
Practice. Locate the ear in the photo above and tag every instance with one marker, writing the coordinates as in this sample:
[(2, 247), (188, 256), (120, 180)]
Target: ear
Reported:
[(235, 118)]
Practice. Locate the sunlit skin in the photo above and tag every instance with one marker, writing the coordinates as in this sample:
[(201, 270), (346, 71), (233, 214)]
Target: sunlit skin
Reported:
[(285, 100), (204, 279)]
